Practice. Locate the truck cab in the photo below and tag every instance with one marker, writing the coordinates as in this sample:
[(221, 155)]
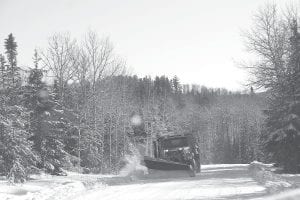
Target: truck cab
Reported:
[(178, 148)]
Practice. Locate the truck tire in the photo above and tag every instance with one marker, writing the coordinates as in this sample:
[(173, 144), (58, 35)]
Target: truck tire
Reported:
[(198, 166), (192, 171)]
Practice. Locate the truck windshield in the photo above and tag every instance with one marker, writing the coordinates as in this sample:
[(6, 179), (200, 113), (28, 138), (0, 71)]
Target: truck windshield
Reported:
[(175, 143)]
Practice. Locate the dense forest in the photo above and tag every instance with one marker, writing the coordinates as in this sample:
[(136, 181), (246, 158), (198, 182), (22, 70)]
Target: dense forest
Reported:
[(76, 107)]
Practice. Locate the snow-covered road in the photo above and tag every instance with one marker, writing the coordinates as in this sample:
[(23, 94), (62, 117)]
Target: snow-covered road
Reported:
[(214, 182)]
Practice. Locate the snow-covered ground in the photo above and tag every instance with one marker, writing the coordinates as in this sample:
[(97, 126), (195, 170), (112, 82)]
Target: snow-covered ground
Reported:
[(292, 177), (224, 181), (284, 185), (214, 182), (47, 187), (287, 195), (263, 173)]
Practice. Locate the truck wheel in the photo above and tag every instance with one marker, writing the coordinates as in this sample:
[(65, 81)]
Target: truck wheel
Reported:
[(198, 167), (192, 171)]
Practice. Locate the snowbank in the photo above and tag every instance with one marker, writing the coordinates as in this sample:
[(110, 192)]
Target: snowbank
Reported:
[(295, 178), (263, 174), (47, 187), (287, 195), (45, 191)]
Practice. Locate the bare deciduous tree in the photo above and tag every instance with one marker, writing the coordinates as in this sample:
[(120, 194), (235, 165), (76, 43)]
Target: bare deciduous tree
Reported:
[(268, 39), (60, 59), (102, 59)]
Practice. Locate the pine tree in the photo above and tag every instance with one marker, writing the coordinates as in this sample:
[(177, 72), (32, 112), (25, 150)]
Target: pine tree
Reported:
[(3, 66), (47, 124), (13, 71), (176, 85), (58, 126), (49, 128), (15, 149), (34, 103), (34, 85)]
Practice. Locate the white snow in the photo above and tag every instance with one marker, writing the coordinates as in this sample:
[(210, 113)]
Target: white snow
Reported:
[(287, 195), (295, 178), (174, 190), (214, 182), (275, 183), (222, 181), (133, 166), (47, 187), (48, 191)]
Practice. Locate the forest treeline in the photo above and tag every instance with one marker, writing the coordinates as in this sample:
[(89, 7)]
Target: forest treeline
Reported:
[(80, 117), (73, 108)]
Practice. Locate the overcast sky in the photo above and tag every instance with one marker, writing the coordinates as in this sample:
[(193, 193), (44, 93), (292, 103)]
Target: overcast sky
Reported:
[(197, 40)]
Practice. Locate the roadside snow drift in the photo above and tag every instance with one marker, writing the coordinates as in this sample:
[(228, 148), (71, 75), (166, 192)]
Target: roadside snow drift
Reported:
[(274, 183)]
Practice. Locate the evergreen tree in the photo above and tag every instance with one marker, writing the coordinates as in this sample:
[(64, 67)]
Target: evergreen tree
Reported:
[(2, 72), (176, 85), (47, 124), (15, 150), (59, 126), (34, 103), (11, 53), (34, 85), (13, 71)]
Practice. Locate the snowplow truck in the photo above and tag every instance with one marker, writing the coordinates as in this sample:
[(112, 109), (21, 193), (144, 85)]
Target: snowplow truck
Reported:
[(176, 152)]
